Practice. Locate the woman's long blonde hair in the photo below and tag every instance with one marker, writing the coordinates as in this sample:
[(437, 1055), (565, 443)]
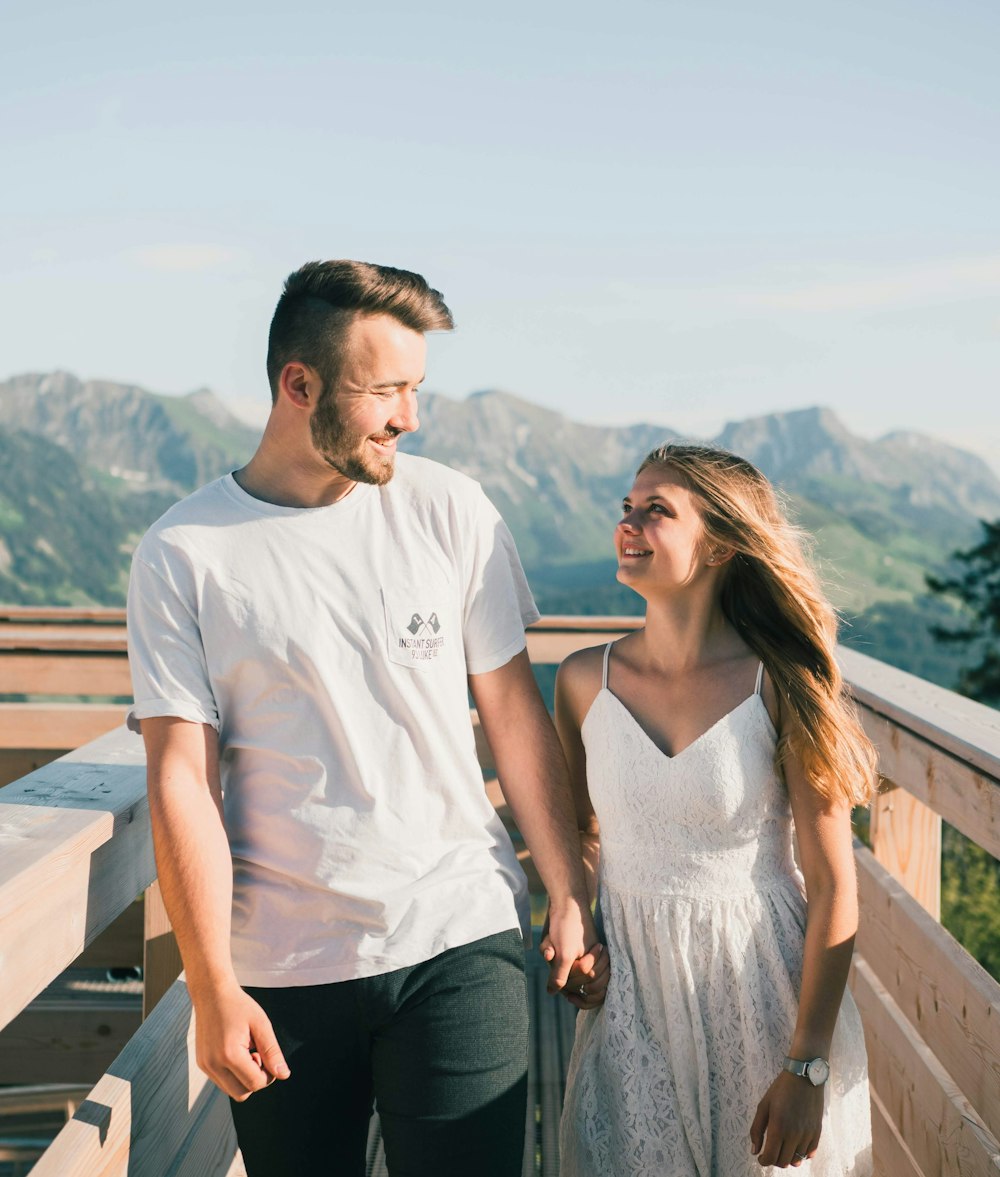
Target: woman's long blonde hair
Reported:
[(773, 599)]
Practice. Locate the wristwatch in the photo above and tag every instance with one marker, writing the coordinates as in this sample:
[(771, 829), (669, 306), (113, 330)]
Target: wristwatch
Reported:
[(816, 1070)]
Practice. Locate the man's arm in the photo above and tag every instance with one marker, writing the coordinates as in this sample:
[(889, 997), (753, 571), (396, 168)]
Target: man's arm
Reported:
[(532, 774), (235, 1044)]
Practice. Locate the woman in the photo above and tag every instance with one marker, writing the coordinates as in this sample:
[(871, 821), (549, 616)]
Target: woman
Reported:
[(727, 1042)]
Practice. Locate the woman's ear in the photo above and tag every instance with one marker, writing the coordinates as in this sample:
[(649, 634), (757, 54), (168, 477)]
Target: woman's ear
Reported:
[(719, 555)]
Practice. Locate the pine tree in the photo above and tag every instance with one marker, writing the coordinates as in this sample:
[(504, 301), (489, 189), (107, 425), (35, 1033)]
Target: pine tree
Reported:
[(976, 585), (970, 883)]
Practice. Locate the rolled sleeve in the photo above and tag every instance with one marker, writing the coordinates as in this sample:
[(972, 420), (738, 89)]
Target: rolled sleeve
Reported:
[(166, 654), (498, 601)]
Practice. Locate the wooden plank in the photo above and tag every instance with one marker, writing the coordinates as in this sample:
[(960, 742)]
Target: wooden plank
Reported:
[(89, 638), (62, 614), (951, 1002), (550, 648), (906, 840), (56, 726), (210, 1149), (967, 730), (72, 1043), (962, 795), (161, 956), (29, 1099), (119, 945), (890, 1152), (941, 1128), (66, 674), (145, 1115), (75, 850), (18, 762)]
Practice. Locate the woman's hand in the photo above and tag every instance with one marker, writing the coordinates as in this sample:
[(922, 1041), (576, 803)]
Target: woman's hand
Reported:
[(590, 973), (786, 1129)]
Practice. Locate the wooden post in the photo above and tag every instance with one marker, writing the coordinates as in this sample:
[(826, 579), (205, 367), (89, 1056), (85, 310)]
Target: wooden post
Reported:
[(161, 957), (906, 840)]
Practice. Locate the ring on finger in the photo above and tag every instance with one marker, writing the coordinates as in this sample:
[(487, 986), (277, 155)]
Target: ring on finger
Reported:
[(582, 990)]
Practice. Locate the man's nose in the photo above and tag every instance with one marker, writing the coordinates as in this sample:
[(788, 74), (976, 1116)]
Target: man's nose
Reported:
[(406, 418)]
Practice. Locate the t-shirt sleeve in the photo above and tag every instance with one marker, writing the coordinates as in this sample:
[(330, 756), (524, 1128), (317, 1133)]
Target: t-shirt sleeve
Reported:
[(498, 602), (166, 655)]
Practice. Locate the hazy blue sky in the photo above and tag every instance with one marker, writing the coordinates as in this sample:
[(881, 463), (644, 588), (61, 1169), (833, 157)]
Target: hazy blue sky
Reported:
[(677, 212)]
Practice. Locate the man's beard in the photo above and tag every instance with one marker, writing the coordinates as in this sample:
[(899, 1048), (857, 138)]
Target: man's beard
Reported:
[(346, 452)]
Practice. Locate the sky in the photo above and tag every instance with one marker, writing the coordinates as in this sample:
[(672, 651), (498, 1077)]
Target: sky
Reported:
[(682, 213)]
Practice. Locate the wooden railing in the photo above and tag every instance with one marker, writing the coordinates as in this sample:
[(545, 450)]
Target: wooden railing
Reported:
[(75, 851)]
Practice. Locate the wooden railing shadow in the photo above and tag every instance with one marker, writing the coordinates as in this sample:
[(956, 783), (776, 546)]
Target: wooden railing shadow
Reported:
[(75, 852)]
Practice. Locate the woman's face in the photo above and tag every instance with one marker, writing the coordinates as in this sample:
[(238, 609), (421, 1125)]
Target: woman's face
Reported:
[(660, 539)]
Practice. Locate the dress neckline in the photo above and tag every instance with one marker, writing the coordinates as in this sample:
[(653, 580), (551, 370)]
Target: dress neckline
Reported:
[(605, 689), (698, 739)]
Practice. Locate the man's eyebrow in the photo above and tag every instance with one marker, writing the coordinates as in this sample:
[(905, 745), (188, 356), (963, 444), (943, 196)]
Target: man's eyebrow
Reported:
[(398, 383)]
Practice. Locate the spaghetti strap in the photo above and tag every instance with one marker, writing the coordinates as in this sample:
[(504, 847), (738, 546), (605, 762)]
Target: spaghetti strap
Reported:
[(757, 684), (604, 676)]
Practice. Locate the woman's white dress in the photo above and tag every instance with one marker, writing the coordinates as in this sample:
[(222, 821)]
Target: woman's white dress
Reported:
[(704, 914)]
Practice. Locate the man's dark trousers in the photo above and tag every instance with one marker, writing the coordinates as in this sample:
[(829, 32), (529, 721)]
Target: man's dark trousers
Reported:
[(441, 1048)]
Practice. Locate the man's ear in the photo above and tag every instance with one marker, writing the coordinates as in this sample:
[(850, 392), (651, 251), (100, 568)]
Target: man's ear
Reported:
[(300, 384)]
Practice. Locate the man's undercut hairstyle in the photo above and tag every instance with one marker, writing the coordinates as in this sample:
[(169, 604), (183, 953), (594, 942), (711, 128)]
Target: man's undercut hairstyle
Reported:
[(320, 301)]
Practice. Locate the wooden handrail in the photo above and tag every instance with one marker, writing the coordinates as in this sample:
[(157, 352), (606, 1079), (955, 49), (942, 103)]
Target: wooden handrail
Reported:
[(75, 849)]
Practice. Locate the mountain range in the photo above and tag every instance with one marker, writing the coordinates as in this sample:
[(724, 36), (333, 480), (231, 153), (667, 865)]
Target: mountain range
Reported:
[(86, 466)]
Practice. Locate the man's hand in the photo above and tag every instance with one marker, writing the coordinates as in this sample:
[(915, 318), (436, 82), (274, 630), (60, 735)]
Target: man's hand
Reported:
[(569, 938), (235, 1045)]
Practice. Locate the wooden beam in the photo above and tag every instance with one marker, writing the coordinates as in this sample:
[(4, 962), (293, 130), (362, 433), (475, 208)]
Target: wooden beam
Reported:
[(943, 1131), (18, 762), (62, 614), (65, 674), (30, 1099), (119, 945), (906, 840), (74, 1042), (548, 647), (75, 850), (951, 1002), (161, 956), (56, 726), (966, 730), (85, 638), (148, 1113), (962, 795), (890, 1152)]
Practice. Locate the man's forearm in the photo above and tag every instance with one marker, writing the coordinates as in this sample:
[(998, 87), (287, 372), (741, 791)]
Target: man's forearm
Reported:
[(532, 773), (192, 851), (196, 878)]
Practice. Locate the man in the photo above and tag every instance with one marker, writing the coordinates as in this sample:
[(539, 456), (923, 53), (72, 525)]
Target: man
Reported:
[(302, 636)]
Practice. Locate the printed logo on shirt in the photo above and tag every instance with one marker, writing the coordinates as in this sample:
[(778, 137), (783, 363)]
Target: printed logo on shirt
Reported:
[(415, 636), (421, 638)]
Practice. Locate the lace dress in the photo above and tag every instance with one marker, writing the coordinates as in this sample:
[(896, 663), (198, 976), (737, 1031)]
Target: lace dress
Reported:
[(704, 916)]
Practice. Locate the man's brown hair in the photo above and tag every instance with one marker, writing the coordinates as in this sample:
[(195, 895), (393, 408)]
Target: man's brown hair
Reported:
[(320, 300)]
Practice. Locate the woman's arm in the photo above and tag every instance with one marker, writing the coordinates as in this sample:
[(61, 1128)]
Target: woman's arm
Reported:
[(574, 695), (789, 1118), (575, 689)]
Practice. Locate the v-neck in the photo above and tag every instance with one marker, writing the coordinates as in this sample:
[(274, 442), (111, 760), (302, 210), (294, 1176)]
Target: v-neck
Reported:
[(697, 740)]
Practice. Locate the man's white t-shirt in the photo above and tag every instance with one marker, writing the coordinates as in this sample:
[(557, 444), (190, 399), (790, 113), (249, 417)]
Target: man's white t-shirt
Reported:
[(329, 647)]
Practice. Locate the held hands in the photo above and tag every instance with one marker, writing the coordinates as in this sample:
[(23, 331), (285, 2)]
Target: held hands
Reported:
[(786, 1128), (235, 1045), (579, 967)]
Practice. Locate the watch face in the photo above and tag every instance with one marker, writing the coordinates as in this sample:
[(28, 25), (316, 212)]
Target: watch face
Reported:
[(818, 1071)]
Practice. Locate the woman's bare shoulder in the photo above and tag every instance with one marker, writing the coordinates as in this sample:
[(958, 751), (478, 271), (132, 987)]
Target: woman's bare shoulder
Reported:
[(579, 679)]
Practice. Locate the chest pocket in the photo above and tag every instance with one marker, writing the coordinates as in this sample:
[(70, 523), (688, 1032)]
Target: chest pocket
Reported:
[(422, 624)]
